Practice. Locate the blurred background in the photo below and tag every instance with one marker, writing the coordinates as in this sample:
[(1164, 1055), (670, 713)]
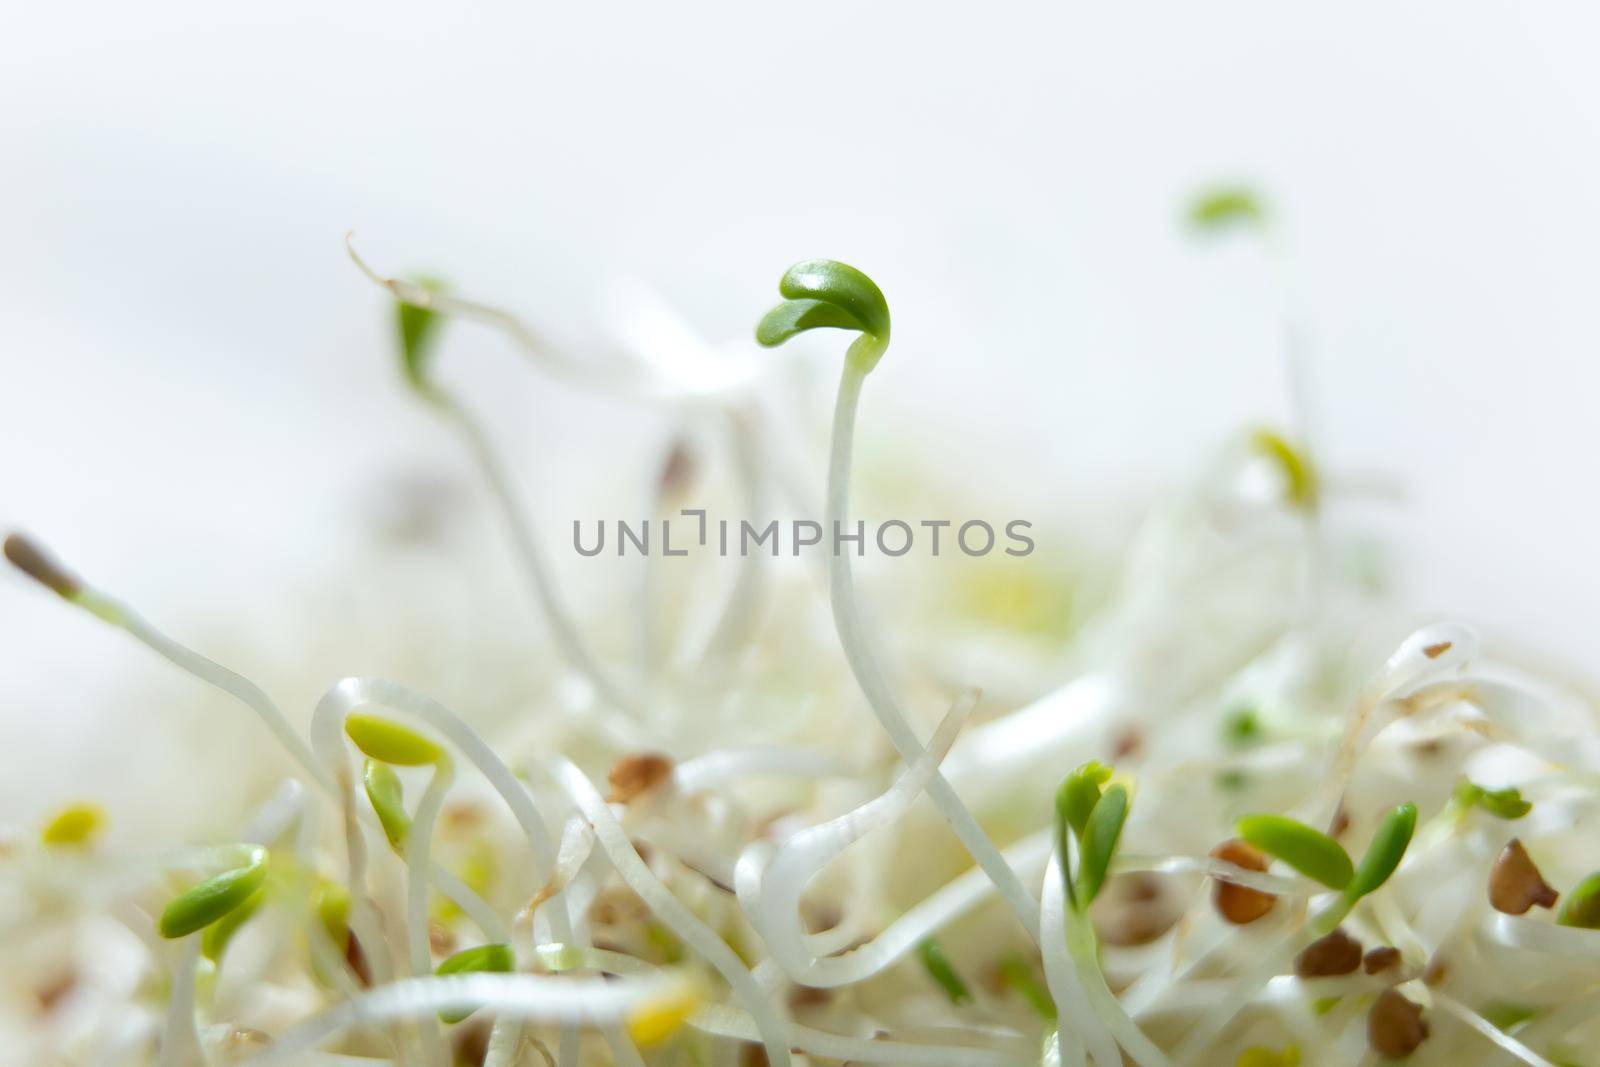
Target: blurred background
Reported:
[(199, 406)]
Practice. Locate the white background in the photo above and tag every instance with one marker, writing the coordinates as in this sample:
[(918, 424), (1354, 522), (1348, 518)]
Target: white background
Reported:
[(196, 384)]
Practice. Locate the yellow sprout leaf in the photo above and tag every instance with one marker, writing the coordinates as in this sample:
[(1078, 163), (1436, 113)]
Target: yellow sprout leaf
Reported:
[(658, 1019), (74, 825), (1256, 1056), (388, 742)]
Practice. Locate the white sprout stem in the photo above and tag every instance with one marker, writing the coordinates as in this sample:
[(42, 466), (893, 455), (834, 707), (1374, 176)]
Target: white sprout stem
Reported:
[(546, 356), (1211, 867), (613, 840), (722, 765), (1275, 960), (563, 628), (940, 908), (1505, 1041), (1084, 948), (1080, 1029), (419, 841), (252, 696), (180, 1041), (774, 908), (1424, 656), (536, 998), (736, 621), (191, 662), (725, 1021), (852, 635), (351, 694)]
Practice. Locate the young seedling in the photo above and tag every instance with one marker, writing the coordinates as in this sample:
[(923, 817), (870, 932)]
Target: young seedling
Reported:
[(482, 959), (1582, 906), (1322, 859), (418, 321), (1504, 803), (1090, 811), (824, 293), (1095, 817), (387, 796), (385, 741), (206, 902)]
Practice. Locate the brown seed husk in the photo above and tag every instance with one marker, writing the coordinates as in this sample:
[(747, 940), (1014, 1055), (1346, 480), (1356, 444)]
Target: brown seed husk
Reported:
[(1395, 1026), (1338, 953), (37, 564), (1236, 903), (1380, 959), (637, 774), (1515, 884)]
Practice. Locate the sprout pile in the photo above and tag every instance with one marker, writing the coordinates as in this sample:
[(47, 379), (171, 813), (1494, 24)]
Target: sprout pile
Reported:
[(1222, 835)]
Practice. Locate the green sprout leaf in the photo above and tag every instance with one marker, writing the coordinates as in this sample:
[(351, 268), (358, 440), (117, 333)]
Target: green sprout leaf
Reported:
[(797, 316), (1080, 792), (1226, 207), (1384, 853), (494, 958), (418, 328), (824, 293), (1501, 803), (1312, 853), (74, 826), (1099, 842), (1582, 907), (388, 800), (388, 742), (206, 902), (938, 966), (214, 942)]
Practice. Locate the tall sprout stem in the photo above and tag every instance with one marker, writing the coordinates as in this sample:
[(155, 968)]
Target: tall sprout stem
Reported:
[(863, 663), (353, 694), (688, 927), (117, 614), (569, 641), (418, 847), (180, 1041)]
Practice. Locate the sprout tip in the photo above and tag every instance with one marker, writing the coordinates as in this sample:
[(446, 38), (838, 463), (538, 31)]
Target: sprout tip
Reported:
[(36, 563)]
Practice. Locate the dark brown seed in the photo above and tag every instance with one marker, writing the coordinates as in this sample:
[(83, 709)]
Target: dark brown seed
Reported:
[(56, 990), (637, 774), (470, 1042), (357, 959), (37, 564), (1435, 651), (1126, 742), (1341, 822), (441, 939), (1240, 904), (1515, 884), (804, 996), (1395, 1026), (1338, 953), (677, 473), (1381, 959)]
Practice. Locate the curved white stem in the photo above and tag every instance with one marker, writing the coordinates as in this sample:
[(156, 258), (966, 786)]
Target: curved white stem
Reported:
[(671, 911), (772, 899), (857, 649)]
